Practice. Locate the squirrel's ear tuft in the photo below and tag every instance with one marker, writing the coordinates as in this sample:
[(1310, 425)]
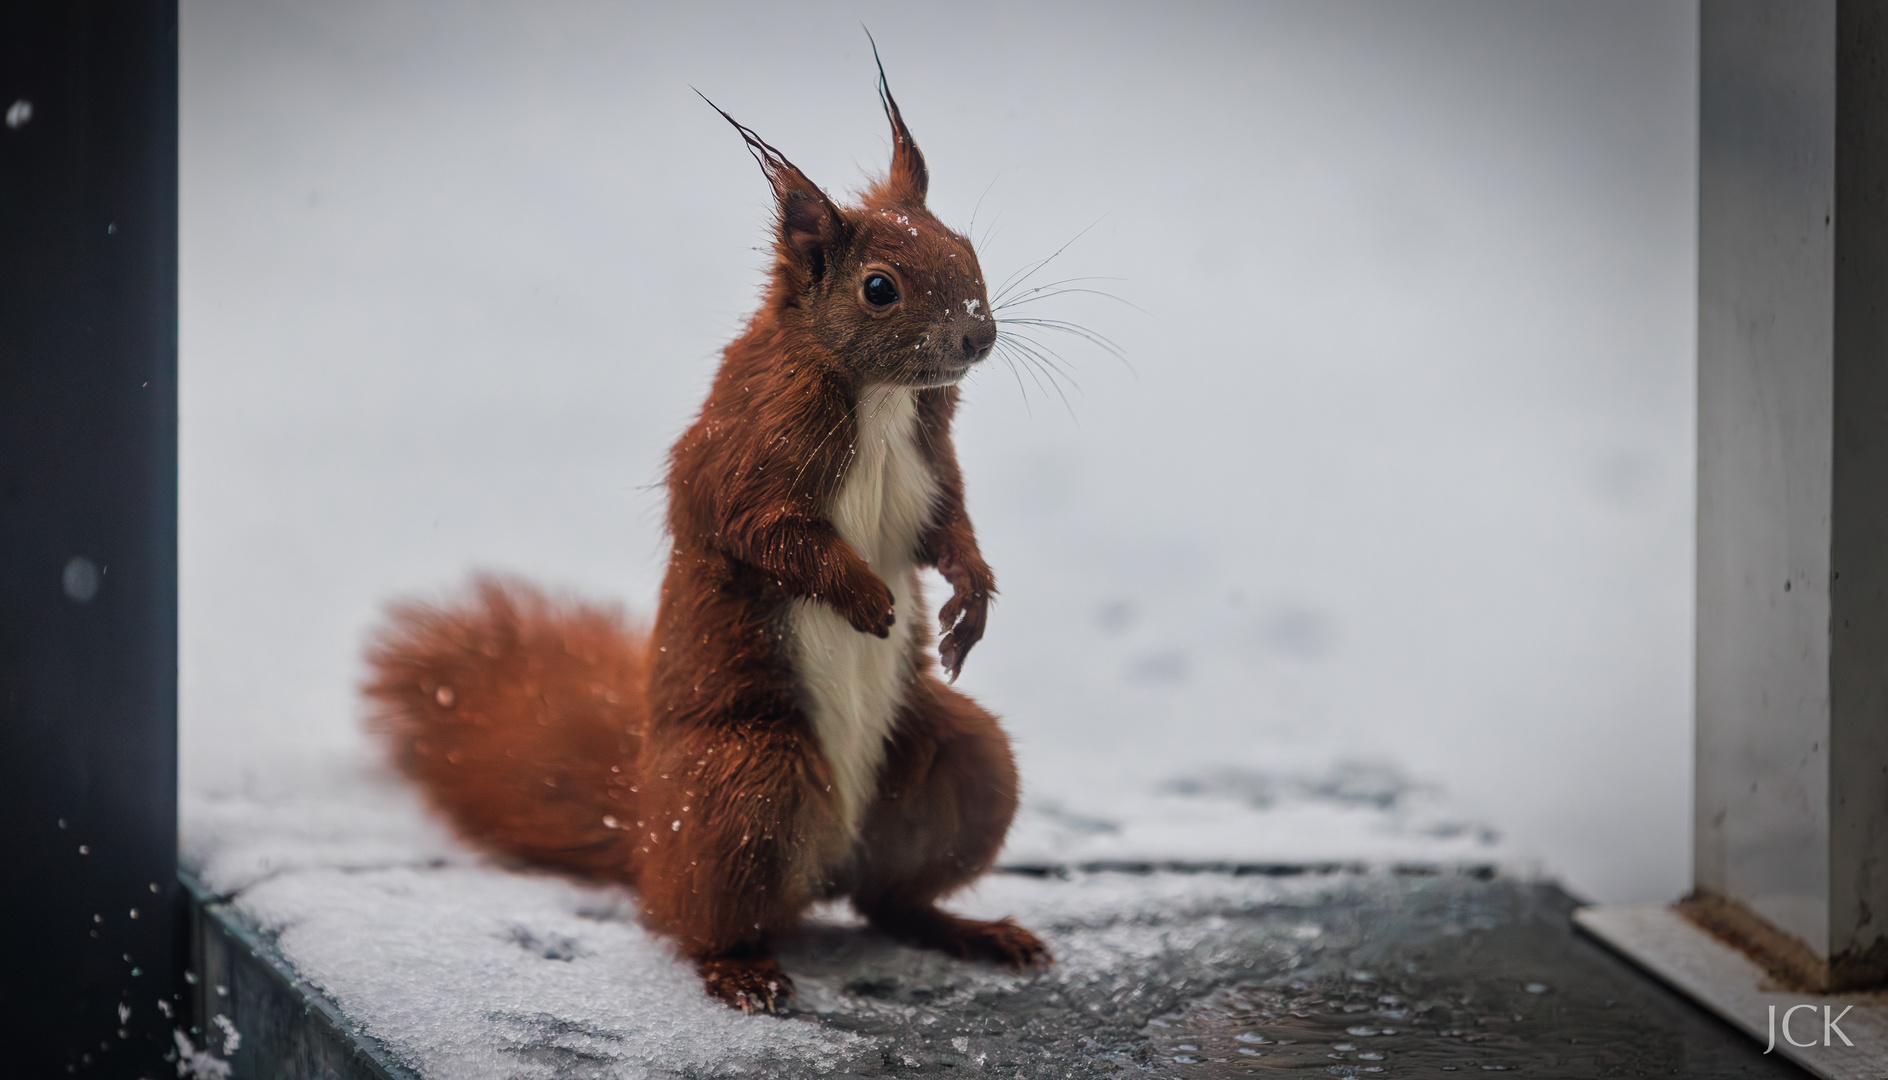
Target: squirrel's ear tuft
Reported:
[(908, 179), (810, 225)]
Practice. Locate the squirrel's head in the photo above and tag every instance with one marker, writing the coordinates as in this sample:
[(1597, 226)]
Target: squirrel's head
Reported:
[(886, 288)]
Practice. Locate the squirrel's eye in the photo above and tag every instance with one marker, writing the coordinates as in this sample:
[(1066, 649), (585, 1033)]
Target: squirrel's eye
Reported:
[(879, 291)]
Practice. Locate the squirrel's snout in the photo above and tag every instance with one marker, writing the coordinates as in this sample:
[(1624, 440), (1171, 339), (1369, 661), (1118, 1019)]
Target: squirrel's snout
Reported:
[(978, 342)]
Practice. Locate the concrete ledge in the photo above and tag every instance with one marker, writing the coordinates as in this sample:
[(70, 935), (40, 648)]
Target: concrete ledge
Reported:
[(1182, 973), (284, 1028), (1723, 979)]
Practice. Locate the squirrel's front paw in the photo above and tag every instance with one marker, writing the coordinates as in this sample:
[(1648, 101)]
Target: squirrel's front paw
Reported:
[(960, 623), (961, 619), (871, 611)]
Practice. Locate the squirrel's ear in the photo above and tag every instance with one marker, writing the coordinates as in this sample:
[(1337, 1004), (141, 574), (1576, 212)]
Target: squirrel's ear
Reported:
[(908, 179), (810, 225)]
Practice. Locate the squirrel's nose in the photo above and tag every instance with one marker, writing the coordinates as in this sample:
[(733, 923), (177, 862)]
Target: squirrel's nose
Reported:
[(977, 342)]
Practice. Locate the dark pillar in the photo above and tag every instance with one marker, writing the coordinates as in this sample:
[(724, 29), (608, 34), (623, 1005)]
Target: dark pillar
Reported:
[(88, 536)]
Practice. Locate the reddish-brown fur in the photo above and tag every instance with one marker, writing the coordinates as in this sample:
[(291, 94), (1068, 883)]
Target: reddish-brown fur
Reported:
[(683, 763)]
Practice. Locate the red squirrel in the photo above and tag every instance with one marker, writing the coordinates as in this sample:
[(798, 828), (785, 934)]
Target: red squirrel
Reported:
[(780, 735)]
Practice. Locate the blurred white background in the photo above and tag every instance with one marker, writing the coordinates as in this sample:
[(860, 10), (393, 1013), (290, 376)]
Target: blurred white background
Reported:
[(1402, 471)]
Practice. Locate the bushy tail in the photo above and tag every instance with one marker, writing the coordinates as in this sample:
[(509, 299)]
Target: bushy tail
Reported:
[(520, 717)]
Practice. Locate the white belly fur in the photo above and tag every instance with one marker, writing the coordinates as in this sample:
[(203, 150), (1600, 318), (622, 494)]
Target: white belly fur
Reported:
[(851, 684)]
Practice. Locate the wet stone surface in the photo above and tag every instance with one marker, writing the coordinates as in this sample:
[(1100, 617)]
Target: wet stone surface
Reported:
[(1373, 976), (1449, 978)]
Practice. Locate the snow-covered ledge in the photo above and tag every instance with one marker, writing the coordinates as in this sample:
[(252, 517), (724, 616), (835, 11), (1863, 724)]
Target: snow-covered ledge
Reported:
[(1791, 811), (330, 883)]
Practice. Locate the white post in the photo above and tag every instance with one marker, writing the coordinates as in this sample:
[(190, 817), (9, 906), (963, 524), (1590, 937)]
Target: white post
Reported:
[(1792, 680)]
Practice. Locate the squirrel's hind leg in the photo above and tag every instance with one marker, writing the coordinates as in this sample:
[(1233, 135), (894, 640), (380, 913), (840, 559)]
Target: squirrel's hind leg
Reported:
[(737, 834), (947, 792)]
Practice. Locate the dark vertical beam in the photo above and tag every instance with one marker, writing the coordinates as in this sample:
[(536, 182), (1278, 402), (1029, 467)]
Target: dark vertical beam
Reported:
[(88, 535), (1858, 589)]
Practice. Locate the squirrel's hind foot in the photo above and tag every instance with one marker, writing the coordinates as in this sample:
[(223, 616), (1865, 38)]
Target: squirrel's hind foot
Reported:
[(746, 983), (1002, 940)]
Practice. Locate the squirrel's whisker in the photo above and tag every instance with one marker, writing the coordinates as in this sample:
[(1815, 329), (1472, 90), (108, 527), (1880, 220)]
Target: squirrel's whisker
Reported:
[(1010, 362), (1038, 373), (1064, 281), (1038, 362), (1015, 283), (972, 229), (1049, 358), (1044, 292), (1093, 337)]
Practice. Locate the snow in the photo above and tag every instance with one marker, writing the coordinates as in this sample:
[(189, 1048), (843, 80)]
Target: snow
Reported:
[(1351, 814), (201, 1064)]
